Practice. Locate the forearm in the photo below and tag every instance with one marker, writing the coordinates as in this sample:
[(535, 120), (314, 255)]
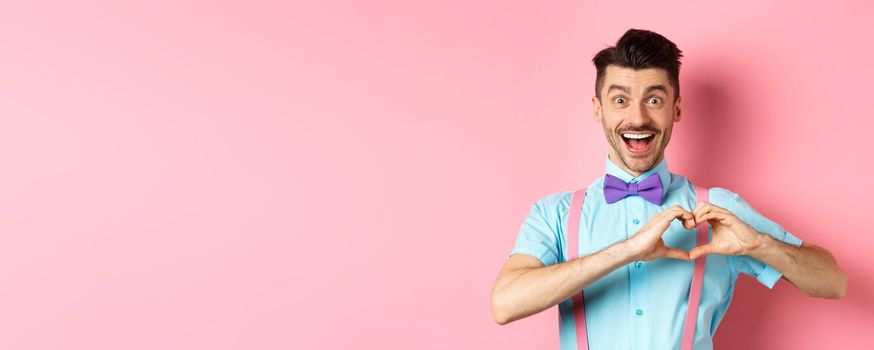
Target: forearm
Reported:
[(532, 290), (810, 268)]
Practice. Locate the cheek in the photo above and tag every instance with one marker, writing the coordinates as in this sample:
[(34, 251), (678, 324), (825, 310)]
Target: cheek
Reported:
[(662, 120), (612, 118), (667, 136), (666, 115)]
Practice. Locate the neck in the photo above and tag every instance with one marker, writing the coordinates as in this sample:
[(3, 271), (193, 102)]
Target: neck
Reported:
[(622, 166)]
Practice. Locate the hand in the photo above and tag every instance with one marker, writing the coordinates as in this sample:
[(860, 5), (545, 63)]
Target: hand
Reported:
[(647, 244), (731, 236)]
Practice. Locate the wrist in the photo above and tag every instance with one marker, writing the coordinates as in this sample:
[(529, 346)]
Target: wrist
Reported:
[(630, 250), (763, 243)]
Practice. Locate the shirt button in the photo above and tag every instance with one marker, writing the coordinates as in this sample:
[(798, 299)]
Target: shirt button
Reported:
[(638, 264), (635, 221), (639, 312)]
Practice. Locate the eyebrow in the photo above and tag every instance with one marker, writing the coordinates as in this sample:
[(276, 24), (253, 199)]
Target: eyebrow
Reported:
[(626, 90), (656, 87), (618, 87)]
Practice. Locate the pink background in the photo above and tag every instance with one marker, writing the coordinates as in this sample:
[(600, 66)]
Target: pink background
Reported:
[(324, 175)]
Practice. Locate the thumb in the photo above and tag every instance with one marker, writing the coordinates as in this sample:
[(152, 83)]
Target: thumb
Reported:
[(674, 253), (701, 250)]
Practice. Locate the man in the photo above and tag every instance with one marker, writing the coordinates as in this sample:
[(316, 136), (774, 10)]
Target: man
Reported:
[(636, 261)]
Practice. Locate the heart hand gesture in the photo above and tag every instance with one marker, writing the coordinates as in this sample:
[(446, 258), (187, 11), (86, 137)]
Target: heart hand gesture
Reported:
[(647, 243), (731, 236)]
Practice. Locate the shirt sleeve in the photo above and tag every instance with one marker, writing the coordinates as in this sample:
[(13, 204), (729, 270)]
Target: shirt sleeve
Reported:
[(764, 273), (540, 233)]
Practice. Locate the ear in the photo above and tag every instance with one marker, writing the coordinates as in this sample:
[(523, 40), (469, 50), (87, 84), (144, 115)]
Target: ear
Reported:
[(596, 109), (677, 111)]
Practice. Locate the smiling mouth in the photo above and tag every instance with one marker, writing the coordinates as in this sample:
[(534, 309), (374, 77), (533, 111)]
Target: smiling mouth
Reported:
[(638, 142)]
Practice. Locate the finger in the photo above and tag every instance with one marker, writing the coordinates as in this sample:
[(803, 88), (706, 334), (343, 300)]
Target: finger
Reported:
[(681, 214), (704, 206), (701, 208), (666, 216), (678, 211), (689, 224), (674, 253), (713, 216), (674, 210), (686, 218), (663, 219), (716, 207), (702, 250), (708, 207)]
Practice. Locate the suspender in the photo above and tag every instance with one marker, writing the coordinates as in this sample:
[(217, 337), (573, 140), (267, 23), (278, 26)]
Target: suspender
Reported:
[(573, 250)]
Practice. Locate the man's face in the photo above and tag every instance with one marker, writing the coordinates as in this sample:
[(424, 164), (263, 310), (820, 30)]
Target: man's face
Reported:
[(634, 104)]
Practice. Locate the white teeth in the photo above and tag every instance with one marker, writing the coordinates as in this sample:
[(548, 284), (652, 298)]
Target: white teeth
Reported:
[(636, 136)]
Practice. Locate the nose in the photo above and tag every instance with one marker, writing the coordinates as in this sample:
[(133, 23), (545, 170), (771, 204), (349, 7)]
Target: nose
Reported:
[(638, 115)]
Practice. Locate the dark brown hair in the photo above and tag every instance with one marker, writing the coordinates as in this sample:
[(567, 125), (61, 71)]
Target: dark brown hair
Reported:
[(640, 49)]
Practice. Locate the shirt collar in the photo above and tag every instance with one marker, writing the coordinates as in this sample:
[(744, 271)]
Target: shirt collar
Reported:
[(661, 168)]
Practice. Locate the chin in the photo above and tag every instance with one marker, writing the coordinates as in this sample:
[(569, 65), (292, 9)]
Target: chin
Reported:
[(640, 163)]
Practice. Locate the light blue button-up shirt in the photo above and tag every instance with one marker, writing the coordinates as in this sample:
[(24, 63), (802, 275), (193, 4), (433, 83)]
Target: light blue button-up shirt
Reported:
[(643, 305)]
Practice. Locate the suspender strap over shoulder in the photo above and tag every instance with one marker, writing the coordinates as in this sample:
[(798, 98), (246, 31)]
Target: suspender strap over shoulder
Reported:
[(701, 195), (573, 250)]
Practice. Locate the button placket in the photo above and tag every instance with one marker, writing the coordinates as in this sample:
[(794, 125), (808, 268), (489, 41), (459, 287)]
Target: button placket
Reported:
[(637, 273)]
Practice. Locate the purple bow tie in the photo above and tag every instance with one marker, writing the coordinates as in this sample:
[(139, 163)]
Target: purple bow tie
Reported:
[(650, 189)]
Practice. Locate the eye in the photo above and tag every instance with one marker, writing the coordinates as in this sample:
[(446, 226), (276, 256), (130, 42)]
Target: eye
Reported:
[(654, 100), (619, 100)]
